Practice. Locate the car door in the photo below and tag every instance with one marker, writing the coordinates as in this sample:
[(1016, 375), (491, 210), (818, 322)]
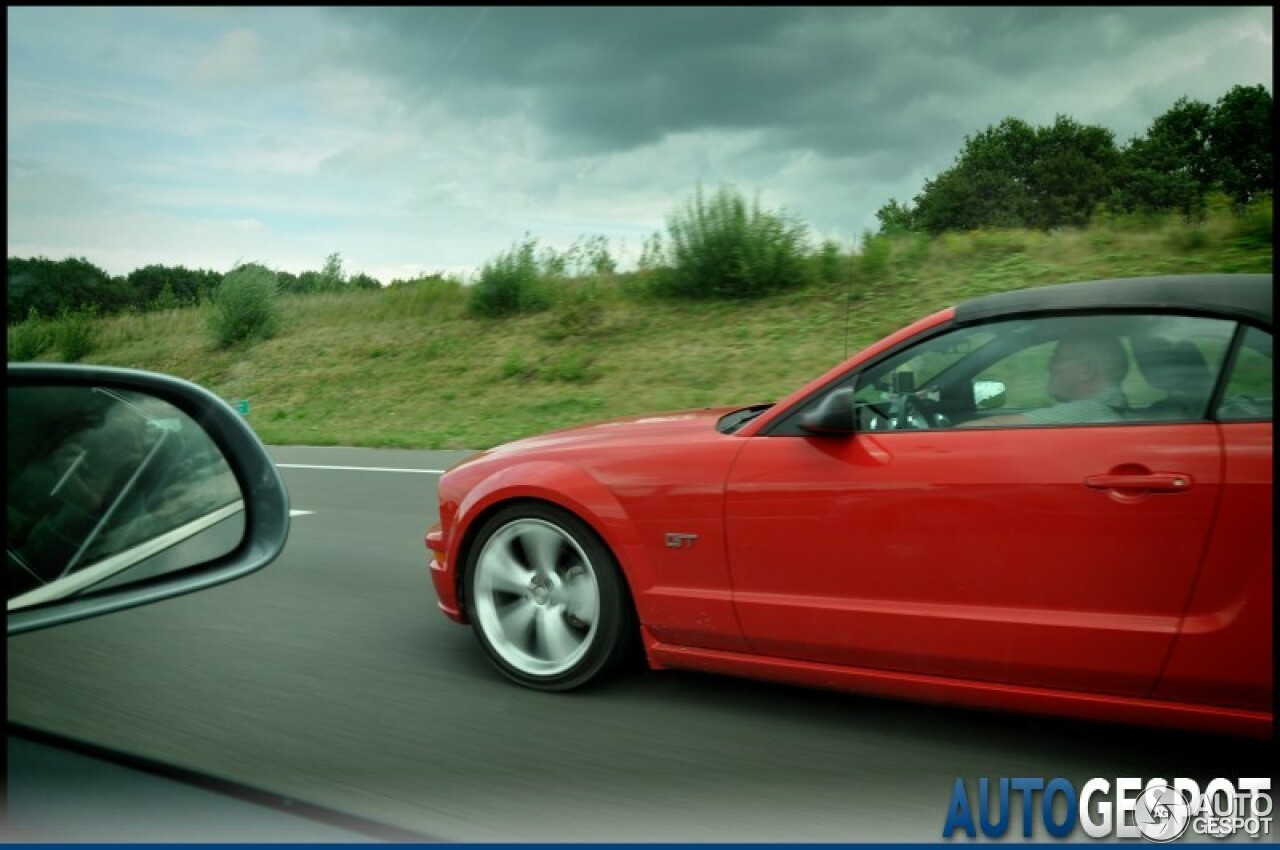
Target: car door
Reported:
[(1224, 653), (1058, 556)]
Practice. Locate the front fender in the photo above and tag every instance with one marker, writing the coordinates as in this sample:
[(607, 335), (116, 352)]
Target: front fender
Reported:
[(569, 487)]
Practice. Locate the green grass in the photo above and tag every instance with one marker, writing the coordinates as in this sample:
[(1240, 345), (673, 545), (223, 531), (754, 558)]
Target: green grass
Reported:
[(410, 366)]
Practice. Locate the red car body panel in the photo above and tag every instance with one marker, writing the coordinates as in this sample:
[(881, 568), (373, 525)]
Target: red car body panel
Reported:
[(1112, 709), (973, 567), (966, 553), (612, 475), (1224, 650)]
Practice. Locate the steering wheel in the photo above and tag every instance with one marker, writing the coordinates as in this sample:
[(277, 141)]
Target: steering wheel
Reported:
[(911, 412)]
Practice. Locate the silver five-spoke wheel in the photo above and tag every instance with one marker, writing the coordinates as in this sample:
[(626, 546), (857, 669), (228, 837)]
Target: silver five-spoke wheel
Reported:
[(546, 597), (536, 597)]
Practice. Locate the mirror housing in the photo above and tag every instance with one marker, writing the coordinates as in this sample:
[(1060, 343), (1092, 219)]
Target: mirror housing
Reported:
[(265, 501), (988, 395), (832, 415)]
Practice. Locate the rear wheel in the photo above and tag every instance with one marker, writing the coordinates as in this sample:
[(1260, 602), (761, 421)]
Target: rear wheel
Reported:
[(546, 598)]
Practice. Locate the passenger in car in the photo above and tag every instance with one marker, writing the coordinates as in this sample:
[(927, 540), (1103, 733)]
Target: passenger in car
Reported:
[(1085, 374)]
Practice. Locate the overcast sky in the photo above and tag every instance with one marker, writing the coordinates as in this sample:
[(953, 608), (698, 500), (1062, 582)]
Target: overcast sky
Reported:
[(415, 140)]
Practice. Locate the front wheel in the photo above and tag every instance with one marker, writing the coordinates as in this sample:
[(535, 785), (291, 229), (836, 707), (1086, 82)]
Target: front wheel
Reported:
[(546, 598)]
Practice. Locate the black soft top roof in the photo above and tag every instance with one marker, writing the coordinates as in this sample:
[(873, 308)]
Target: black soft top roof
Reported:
[(1245, 297)]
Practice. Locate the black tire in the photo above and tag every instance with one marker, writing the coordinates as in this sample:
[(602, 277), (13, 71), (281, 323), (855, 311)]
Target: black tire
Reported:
[(546, 598)]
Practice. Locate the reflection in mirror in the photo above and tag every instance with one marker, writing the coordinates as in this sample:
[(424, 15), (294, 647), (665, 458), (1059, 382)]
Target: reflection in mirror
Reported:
[(107, 487), (988, 395)]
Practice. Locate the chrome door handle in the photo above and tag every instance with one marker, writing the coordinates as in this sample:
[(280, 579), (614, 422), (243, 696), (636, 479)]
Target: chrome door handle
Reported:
[(1158, 482)]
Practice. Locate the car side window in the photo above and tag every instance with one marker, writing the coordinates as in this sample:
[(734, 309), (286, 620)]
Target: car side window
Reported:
[(1249, 390), (1050, 371), (1100, 369), (917, 388), (1023, 376)]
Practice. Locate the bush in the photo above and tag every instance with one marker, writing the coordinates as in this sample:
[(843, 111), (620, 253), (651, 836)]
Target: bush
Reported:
[(244, 306), (1252, 228), (29, 339), (722, 249), (589, 257), (998, 243), (579, 311), (915, 248), (166, 300), (873, 261), (570, 367), (1188, 239), (76, 334), (430, 296), (827, 263), (510, 284), (515, 367)]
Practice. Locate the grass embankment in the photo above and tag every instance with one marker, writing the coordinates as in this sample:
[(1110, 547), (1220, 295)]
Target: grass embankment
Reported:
[(406, 367)]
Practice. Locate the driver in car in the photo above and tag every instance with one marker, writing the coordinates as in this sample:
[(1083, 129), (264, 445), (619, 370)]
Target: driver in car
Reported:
[(1085, 373)]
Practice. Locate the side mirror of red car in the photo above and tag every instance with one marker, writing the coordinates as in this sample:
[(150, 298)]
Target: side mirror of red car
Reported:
[(832, 415)]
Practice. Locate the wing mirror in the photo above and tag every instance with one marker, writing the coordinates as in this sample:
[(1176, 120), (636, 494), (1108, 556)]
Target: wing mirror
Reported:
[(988, 394), (831, 415), (127, 487)]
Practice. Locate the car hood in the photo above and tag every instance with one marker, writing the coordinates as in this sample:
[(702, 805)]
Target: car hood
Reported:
[(671, 426)]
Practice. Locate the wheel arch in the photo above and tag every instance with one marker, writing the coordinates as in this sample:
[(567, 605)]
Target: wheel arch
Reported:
[(568, 488)]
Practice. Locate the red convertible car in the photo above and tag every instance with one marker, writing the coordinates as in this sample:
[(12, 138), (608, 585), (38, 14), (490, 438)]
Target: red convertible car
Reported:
[(1056, 500)]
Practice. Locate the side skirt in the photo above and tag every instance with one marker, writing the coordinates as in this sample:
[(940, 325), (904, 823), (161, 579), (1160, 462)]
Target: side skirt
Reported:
[(937, 689)]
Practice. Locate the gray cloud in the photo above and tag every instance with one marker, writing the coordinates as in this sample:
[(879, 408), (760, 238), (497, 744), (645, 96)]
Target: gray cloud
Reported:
[(433, 137), (841, 81), (35, 190)]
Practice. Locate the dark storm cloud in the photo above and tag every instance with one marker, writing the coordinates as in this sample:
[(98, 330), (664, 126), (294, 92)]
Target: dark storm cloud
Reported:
[(602, 79), (430, 138), (840, 81)]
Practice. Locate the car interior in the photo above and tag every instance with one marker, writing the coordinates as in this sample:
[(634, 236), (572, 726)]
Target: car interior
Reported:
[(1172, 376)]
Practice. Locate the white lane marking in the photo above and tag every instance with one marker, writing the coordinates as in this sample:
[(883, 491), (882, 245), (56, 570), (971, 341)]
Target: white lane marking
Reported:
[(295, 512), (358, 468)]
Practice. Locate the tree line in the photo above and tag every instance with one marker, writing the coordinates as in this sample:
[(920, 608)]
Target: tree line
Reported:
[(74, 285), (1011, 175), (1016, 175)]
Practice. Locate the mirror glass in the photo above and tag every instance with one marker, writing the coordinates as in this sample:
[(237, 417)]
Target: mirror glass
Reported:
[(108, 487), (988, 395)]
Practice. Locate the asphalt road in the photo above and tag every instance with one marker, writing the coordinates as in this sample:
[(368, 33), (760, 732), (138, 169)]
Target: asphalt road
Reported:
[(331, 678)]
